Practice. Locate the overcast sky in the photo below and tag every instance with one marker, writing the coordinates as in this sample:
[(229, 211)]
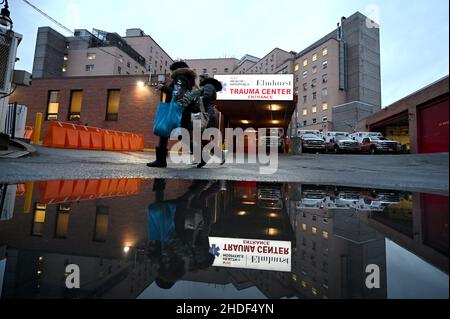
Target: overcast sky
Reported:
[(414, 34)]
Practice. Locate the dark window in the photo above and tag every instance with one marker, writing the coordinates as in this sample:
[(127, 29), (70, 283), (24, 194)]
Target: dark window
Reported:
[(314, 95), (325, 78), (89, 67), (101, 223), (314, 121), (305, 86), (305, 98), (112, 107), (53, 105), (304, 123), (62, 221), (76, 99)]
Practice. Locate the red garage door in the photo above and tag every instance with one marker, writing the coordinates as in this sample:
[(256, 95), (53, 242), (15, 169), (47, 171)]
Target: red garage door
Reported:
[(433, 126)]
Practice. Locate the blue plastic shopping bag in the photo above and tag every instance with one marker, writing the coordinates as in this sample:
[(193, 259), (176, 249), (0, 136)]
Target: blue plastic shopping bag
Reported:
[(168, 117)]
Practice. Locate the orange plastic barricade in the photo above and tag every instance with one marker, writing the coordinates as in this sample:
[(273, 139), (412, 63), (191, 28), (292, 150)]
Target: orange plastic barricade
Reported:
[(103, 188), (84, 137), (108, 144), (20, 190), (78, 190), (135, 142), (141, 142), (55, 136), (117, 141), (121, 187), (29, 132), (91, 190), (71, 135), (133, 186), (125, 137), (49, 190), (96, 138), (112, 189)]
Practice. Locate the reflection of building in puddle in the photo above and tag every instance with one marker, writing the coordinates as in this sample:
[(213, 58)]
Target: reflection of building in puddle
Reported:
[(331, 246)]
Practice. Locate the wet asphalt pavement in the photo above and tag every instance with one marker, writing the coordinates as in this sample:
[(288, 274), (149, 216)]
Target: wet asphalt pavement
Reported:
[(426, 173)]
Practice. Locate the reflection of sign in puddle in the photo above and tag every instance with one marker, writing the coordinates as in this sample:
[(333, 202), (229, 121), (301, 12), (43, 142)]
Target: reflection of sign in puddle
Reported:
[(251, 253)]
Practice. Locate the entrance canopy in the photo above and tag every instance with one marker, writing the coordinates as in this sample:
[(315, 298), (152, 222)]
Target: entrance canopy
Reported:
[(256, 100)]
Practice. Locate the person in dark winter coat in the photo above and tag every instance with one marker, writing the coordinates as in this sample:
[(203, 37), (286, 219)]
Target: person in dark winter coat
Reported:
[(178, 231), (209, 88), (183, 80)]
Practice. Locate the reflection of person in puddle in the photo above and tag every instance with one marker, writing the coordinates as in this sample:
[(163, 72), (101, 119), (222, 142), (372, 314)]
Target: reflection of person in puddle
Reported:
[(178, 231)]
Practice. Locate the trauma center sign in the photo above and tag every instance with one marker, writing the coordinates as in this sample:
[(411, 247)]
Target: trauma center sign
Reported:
[(251, 253), (262, 87)]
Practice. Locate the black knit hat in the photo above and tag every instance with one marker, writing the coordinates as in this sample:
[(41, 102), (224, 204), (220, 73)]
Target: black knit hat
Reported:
[(217, 85), (178, 65)]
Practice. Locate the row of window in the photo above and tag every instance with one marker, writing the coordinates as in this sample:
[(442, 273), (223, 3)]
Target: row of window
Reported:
[(314, 121), (62, 222), (314, 109), (214, 70), (76, 101), (314, 95), (314, 59)]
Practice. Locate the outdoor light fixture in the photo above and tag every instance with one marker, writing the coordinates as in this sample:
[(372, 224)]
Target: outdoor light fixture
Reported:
[(242, 213), (126, 249), (140, 84), (5, 19), (275, 122), (275, 107), (245, 122)]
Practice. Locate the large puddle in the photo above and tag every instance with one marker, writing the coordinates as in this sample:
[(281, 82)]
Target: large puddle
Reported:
[(133, 238)]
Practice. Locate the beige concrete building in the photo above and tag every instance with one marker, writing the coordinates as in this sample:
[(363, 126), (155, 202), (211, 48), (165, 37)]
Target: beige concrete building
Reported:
[(213, 66), (157, 60)]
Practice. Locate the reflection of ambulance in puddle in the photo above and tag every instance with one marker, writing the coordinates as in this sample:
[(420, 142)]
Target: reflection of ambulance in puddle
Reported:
[(269, 195), (312, 199), (377, 201)]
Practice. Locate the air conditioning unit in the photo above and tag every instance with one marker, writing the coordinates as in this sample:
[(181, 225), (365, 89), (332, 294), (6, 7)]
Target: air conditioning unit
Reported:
[(5, 52)]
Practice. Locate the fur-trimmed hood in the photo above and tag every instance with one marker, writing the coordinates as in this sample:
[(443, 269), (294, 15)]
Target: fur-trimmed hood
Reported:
[(185, 72), (217, 85)]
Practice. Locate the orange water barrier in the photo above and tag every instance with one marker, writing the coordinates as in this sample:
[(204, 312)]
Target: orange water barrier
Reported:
[(66, 191), (69, 135)]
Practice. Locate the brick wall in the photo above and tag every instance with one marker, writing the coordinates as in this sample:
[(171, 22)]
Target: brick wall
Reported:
[(137, 104)]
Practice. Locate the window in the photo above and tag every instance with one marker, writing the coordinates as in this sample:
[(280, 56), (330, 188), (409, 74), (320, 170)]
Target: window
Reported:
[(305, 62), (214, 70), (62, 221), (296, 91), (304, 227), (38, 219), (304, 284), (64, 68), (305, 98), (325, 78), (305, 86), (314, 95), (66, 57), (129, 64), (297, 67), (225, 70), (89, 67), (314, 83), (53, 105), (324, 106), (305, 123), (314, 230), (205, 71), (314, 57), (324, 92), (305, 74), (325, 51), (67, 45), (325, 119), (314, 69), (325, 234), (91, 56), (314, 109), (76, 99), (119, 70), (325, 65), (305, 112), (314, 291), (101, 223), (112, 107), (314, 121), (296, 79)]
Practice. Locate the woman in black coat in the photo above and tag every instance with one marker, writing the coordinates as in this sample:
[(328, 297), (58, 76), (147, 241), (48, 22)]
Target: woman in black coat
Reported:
[(183, 80)]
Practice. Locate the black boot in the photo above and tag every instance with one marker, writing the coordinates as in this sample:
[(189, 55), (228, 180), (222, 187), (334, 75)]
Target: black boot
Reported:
[(161, 158), (201, 164)]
